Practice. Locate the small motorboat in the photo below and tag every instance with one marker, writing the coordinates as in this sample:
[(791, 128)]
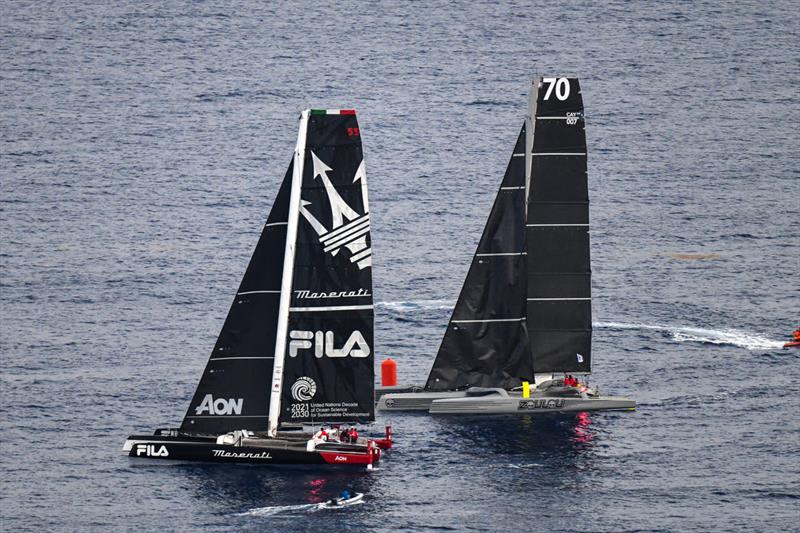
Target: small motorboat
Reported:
[(795, 342), (344, 500)]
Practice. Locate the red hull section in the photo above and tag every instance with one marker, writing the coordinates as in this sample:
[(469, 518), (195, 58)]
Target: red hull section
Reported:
[(337, 458)]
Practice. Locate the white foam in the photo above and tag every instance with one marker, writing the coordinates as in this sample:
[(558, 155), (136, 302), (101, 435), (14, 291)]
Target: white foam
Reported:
[(524, 466), (733, 337), (277, 509), (305, 508)]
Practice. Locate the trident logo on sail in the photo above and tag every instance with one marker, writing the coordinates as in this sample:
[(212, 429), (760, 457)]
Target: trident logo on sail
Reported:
[(348, 229)]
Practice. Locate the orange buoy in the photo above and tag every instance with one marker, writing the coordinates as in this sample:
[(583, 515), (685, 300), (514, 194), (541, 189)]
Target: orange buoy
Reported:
[(389, 373)]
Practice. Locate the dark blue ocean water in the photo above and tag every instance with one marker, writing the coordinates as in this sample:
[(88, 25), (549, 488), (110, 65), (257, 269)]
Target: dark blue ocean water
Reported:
[(141, 147)]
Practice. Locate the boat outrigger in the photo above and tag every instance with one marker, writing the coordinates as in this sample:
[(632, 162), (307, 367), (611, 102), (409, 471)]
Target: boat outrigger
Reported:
[(296, 347), (522, 326)]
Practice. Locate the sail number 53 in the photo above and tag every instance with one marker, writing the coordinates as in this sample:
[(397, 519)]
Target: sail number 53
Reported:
[(561, 86)]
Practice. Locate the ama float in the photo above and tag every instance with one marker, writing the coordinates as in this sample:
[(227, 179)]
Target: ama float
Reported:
[(296, 347), (522, 325)]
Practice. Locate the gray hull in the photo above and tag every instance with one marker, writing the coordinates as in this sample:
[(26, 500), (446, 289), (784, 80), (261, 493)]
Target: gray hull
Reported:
[(517, 405), (497, 402), (396, 389), (413, 401)]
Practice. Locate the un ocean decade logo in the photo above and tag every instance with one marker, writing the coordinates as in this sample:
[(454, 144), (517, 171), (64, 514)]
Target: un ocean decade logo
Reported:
[(304, 389)]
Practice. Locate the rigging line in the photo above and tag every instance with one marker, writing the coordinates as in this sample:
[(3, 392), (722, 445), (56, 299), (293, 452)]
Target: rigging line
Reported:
[(226, 416), (501, 253), (229, 358), (556, 299), (257, 292), (558, 153), (489, 320)]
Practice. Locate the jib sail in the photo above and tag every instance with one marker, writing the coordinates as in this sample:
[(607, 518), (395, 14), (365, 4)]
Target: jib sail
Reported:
[(559, 277), (486, 342), (232, 393), (325, 363)]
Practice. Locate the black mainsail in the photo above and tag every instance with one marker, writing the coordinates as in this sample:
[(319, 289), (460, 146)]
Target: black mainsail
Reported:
[(486, 342), (524, 313), (525, 306), (559, 302), (232, 393), (296, 346), (303, 314), (325, 361)]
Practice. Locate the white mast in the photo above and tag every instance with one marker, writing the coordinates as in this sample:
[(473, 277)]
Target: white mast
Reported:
[(530, 123), (288, 274)]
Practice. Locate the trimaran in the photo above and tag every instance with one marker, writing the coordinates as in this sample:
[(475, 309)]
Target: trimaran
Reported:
[(296, 347), (522, 325)]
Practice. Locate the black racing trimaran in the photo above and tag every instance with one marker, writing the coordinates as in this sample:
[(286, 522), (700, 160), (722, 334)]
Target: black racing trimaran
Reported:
[(296, 348), (522, 325)]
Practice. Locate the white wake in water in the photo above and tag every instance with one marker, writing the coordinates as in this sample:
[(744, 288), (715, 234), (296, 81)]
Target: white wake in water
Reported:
[(524, 466), (416, 305), (733, 337), (303, 508), (277, 509)]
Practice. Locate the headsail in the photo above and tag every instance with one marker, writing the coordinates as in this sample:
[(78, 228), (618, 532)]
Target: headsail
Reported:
[(559, 275), (232, 393), (486, 342), (328, 361)]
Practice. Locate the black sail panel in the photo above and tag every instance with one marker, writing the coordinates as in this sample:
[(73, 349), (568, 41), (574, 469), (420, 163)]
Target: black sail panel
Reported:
[(559, 274), (233, 391), (329, 371), (486, 342)]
